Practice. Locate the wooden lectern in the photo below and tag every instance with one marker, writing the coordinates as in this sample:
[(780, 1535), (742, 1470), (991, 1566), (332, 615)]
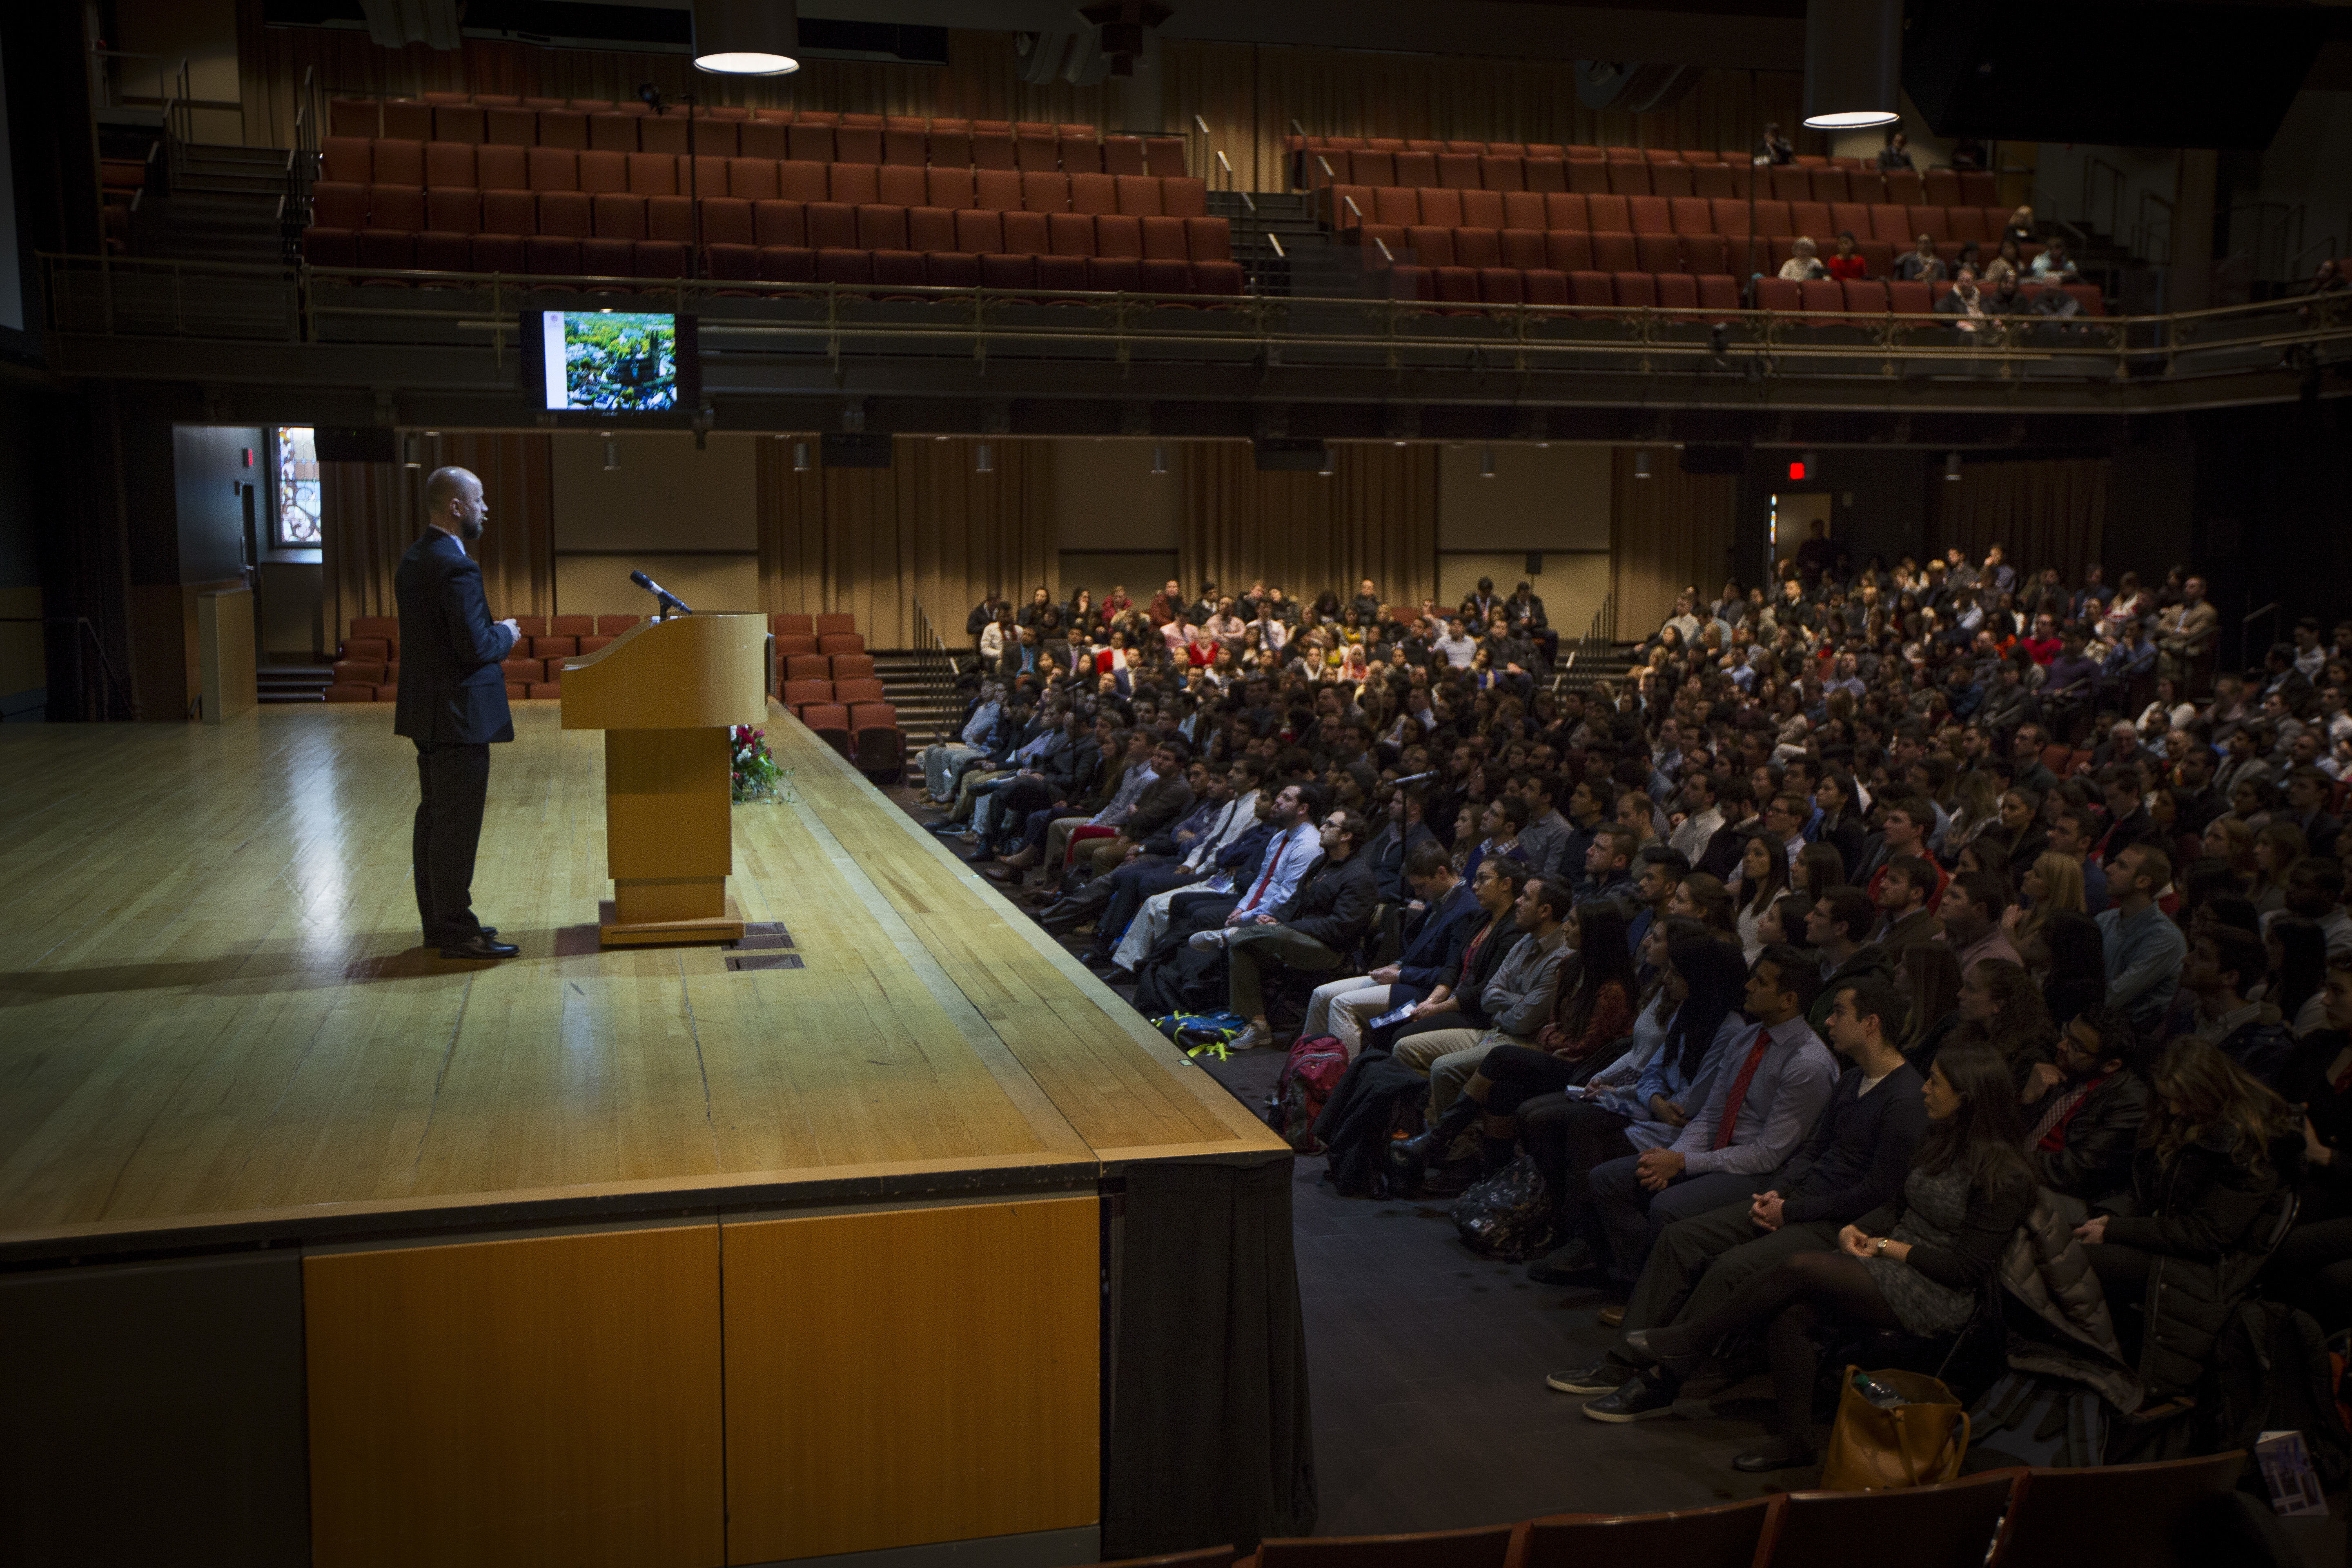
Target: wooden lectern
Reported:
[(666, 693)]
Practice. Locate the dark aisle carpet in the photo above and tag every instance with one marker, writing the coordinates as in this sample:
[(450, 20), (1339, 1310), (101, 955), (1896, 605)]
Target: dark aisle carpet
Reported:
[(1427, 1363)]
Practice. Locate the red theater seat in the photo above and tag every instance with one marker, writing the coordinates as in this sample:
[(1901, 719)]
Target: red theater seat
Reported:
[(807, 667), (851, 665), (796, 694), (799, 625)]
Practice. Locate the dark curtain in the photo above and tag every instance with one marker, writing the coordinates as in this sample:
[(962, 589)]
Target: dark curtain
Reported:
[(372, 512), (1375, 515), (1670, 532), (1212, 1436), (2044, 512)]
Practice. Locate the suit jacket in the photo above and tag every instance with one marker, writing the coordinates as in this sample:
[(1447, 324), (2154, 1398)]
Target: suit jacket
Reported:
[(1162, 804), (452, 691), (1336, 905), (1433, 956)]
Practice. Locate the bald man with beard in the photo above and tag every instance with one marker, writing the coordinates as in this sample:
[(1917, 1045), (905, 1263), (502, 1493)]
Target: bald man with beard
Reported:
[(452, 705)]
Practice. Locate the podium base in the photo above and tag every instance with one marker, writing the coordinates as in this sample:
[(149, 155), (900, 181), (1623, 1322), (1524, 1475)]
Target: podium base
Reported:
[(612, 932)]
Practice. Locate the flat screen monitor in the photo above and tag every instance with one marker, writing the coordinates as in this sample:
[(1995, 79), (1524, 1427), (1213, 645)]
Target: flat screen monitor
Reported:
[(617, 361)]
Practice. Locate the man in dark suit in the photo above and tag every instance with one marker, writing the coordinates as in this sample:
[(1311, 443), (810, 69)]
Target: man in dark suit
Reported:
[(453, 704)]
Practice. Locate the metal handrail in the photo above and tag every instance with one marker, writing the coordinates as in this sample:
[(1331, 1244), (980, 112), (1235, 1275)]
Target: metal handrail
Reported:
[(934, 665), (2092, 167), (1873, 344), (2245, 636), (2144, 236)]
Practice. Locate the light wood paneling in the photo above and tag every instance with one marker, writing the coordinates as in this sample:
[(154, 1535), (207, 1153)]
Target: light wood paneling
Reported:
[(554, 1400), (212, 1001), (913, 1376), (225, 654), (684, 673)]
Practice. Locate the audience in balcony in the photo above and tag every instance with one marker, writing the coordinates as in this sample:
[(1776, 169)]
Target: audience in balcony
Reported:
[(1921, 264)]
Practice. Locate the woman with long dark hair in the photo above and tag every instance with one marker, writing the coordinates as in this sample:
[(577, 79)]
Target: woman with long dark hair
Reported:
[(2001, 1006), (1933, 975), (1918, 1264), (2190, 1234), (1763, 877), (1568, 1134)]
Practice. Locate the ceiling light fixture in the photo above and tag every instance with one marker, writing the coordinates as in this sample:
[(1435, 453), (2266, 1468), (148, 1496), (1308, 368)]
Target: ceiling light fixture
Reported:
[(746, 37), (1952, 468), (1641, 465), (1486, 462), (411, 451), (1853, 63), (611, 454), (800, 458), (1159, 459), (985, 462)]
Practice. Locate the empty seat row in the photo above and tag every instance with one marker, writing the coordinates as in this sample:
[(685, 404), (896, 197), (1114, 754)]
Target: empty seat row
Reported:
[(957, 144), (796, 694), (846, 645), (804, 624), (451, 165), (1550, 285), (1500, 172), (728, 220), (844, 665), (1328, 144), (1357, 207)]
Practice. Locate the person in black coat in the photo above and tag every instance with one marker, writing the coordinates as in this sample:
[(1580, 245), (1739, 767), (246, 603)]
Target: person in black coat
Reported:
[(1318, 931), (2083, 1111), (452, 705), (2185, 1240)]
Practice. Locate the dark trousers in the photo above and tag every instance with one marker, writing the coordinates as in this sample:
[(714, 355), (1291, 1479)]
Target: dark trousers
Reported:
[(1566, 1139), (2313, 1268), (453, 780), (1127, 888), (1698, 1262), (1634, 1217)]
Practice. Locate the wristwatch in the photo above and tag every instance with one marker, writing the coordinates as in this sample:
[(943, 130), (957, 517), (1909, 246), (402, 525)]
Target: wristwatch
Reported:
[(1881, 1248)]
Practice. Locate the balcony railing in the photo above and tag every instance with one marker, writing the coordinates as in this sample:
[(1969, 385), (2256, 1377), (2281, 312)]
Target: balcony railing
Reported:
[(746, 327)]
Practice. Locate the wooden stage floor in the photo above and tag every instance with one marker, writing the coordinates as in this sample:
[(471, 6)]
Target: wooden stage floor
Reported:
[(215, 1017)]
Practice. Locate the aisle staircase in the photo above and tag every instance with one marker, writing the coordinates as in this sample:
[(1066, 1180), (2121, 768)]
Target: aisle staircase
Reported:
[(293, 682), (1283, 248), (924, 713), (224, 204)]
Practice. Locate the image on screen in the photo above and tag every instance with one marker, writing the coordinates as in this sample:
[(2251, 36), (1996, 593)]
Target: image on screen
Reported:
[(611, 362)]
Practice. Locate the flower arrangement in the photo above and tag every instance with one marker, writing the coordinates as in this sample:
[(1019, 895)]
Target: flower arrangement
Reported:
[(755, 775)]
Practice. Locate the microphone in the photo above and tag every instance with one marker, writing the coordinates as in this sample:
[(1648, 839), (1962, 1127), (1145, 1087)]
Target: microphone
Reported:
[(658, 592), (1416, 778)]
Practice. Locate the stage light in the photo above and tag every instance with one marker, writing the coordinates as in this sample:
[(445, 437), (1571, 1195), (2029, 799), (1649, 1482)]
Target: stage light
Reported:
[(746, 37), (612, 455), (1159, 459), (1853, 63), (1641, 465), (1486, 462), (800, 458), (1951, 468), (985, 462)]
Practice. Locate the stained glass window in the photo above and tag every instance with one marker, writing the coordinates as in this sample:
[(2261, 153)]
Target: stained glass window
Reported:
[(298, 487)]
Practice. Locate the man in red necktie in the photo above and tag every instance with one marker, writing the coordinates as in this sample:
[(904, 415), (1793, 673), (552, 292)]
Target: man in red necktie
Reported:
[(1763, 1101)]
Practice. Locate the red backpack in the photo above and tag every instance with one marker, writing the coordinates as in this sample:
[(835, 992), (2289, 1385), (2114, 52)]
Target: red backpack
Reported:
[(1309, 1076)]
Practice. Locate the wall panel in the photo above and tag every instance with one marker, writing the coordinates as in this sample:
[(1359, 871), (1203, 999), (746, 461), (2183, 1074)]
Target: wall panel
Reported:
[(553, 1399), (911, 1375)]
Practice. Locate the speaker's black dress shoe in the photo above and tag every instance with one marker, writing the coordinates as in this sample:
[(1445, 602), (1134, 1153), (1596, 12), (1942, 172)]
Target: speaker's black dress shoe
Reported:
[(481, 947)]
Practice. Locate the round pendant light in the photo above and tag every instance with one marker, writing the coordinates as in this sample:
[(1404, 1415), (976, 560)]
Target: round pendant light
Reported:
[(746, 37), (1853, 63)]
